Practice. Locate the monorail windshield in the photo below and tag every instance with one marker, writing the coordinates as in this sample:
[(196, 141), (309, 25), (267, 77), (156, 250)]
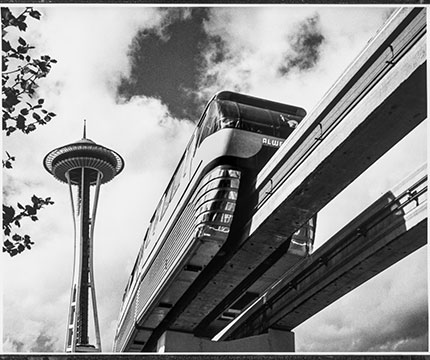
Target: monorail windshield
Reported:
[(228, 110)]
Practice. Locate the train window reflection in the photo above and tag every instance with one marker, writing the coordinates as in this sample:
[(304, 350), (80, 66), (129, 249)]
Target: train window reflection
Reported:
[(222, 114)]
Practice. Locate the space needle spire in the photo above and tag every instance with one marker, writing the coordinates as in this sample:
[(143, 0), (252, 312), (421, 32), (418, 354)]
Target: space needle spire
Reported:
[(83, 165), (85, 130)]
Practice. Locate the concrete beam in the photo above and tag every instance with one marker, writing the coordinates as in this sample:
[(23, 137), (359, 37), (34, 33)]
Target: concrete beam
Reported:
[(390, 229), (375, 104), (342, 137), (272, 341)]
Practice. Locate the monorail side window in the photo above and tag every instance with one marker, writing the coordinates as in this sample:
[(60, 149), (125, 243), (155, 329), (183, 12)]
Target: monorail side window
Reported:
[(189, 154), (177, 179), (146, 238), (153, 223), (209, 122), (164, 203)]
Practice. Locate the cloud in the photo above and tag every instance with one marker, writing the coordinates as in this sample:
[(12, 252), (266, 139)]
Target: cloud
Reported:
[(305, 43), (12, 345), (10, 186), (151, 140), (387, 313), (170, 16), (43, 343), (164, 61), (248, 46)]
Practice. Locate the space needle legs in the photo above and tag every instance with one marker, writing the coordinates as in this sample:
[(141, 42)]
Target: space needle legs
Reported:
[(78, 339)]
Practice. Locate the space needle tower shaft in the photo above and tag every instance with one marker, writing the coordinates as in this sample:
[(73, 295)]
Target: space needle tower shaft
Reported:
[(84, 166)]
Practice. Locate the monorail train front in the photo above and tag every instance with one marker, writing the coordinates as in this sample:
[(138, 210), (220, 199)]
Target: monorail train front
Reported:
[(199, 218), (238, 135)]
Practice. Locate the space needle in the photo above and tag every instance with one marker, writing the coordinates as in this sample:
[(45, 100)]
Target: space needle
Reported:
[(82, 165)]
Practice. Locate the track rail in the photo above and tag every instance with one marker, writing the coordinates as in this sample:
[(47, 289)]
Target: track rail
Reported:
[(377, 102), (390, 229)]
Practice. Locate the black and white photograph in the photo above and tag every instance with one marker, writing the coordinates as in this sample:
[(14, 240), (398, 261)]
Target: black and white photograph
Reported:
[(214, 179)]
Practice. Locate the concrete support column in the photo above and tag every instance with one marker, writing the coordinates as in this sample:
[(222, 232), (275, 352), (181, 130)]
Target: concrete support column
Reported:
[(273, 341)]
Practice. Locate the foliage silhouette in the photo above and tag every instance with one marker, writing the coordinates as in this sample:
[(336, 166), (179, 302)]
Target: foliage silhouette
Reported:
[(23, 110)]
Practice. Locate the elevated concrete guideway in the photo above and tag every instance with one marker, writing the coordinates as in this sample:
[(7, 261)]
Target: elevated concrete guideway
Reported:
[(378, 101), (391, 228)]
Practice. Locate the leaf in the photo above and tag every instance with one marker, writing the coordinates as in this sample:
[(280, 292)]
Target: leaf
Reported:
[(41, 101), (8, 214), (36, 115), (6, 46), (34, 218), (22, 41), (10, 130), (22, 50), (13, 252), (35, 200), (35, 14), (22, 25), (30, 210), (24, 111), (7, 243), (16, 237), (6, 16), (20, 122), (30, 128), (11, 98)]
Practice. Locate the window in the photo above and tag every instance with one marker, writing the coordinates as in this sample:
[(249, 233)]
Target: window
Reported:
[(146, 239), (189, 155), (222, 114), (209, 122)]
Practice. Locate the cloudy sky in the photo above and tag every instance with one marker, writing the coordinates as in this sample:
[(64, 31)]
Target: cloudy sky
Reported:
[(140, 76)]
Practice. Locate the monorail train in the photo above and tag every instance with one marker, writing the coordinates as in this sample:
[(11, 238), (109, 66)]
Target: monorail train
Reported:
[(208, 198)]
